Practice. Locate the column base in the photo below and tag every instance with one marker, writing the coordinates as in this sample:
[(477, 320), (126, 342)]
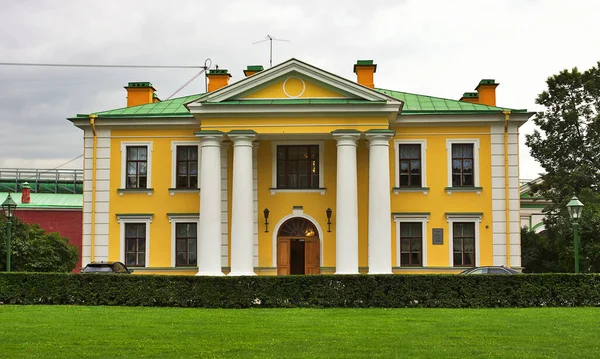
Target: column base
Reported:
[(209, 274), (239, 274)]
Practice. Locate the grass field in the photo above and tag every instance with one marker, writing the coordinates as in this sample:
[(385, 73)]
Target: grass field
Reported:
[(108, 332)]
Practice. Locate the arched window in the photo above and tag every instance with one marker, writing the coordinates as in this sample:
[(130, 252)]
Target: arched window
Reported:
[(297, 227)]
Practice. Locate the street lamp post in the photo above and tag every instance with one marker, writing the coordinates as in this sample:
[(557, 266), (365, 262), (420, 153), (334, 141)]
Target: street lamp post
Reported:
[(8, 207), (575, 208)]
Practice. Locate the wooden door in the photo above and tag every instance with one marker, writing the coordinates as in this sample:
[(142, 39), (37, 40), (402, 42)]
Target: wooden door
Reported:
[(283, 256), (311, 256)]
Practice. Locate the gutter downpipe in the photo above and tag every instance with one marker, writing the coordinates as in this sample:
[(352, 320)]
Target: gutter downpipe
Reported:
[(506, 188), (93, 224)]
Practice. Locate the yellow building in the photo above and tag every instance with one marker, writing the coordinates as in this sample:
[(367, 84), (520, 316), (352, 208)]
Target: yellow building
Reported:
[(294, 170)]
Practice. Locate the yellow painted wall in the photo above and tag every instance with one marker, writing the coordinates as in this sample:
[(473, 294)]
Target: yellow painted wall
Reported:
[(437, 201), (296, 125), (160, 203), (294, 88)]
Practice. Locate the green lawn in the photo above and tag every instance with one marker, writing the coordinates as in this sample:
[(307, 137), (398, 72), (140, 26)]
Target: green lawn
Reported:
[(107, 332)]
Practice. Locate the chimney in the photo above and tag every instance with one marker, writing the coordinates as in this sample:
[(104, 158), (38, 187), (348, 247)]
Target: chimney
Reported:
[(472, 97), (364, 70), (139, 93), (155, 98), (253, 69), (217, 78), (26, 192), (487, 92)]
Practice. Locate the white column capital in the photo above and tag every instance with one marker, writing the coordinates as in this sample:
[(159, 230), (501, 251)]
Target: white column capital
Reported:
[(242, 138), (210, 138), (346, 138), (379, 137)]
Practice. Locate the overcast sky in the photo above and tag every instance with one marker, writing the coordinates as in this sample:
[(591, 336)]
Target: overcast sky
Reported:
[(437, 48)]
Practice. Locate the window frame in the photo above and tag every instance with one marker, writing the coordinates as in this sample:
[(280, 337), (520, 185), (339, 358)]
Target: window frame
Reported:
[(410, 217), (476, 162), (475, 218), (174, 145), (274, 145), (134, 218), (124, 146), (175, 218), (396, 167)]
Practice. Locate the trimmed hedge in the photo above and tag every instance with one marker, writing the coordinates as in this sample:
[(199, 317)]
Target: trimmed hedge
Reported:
[(347, 291)]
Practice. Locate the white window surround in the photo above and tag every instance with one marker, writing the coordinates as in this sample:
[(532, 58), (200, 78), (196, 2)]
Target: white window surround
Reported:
[(423, 187), (182, 218), (475, 143), (274, 145), (412, 217), (174, 145), (124, 146), (474, 218), (134, 218)]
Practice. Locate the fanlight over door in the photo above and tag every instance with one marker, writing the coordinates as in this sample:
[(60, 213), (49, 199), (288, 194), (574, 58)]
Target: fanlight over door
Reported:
[(298, 248)]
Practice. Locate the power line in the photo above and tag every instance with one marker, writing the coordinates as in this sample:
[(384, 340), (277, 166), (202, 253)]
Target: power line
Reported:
[(69, 161), (101, 66)]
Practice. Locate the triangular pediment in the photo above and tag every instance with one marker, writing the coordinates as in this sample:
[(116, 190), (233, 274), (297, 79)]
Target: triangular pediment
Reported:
[(294, 80)]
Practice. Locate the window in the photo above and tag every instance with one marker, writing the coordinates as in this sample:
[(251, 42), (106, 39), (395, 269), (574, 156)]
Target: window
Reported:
[(411, 240), (410, 165), (463, 165), (298, 167), (463, 237), (135, 244), (186, 244), (187, 167), (137, 166)]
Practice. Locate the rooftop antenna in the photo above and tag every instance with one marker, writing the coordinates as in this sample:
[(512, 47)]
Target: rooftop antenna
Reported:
[(270, 39)]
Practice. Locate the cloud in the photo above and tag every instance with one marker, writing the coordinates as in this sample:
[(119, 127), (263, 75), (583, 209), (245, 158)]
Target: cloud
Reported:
[(438, 48)]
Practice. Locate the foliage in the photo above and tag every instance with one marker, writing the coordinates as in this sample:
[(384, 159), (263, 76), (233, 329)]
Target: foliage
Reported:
[(567, 145), (109, 332), (538, 253), (34, 250), (328, 291)]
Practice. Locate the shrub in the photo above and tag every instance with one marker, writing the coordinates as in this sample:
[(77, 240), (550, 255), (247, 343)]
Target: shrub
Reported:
[(348, 291)]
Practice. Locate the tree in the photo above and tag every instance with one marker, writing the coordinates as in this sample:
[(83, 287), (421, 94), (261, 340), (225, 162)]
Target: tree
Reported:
[(567, 145), (34, 250)]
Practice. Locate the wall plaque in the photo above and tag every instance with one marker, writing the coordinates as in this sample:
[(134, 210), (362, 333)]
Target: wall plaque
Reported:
[(437, 236)]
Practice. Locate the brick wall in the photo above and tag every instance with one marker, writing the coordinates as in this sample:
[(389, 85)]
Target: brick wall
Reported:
[(68, 223)]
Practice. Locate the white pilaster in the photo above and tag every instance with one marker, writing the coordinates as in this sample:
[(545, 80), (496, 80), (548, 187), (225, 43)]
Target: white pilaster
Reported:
[(242, 221), (209, 239), (380, 232), (346, 217)]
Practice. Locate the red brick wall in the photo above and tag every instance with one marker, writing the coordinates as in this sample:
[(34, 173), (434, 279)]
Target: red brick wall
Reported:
[(67, 223)]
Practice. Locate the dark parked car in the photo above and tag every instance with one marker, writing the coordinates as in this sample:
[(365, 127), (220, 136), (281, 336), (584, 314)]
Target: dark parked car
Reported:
[(490, 270), (106, 267)]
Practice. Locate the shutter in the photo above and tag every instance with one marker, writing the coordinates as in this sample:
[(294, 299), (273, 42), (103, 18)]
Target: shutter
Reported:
[(283, 256)]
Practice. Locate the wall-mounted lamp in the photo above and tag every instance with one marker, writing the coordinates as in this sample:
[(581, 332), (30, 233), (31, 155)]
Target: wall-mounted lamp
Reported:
[(266, 213), (328, 211)]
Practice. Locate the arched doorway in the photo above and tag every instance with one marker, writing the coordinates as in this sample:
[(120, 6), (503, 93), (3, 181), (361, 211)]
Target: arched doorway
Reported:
[(298, 247)]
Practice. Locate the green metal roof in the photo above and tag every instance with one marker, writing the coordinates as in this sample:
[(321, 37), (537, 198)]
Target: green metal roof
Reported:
[(421, 104), (168, 108), (47, 200), (413, 104)]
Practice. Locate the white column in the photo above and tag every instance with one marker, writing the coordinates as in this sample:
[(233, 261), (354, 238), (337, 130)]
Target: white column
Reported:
[(242, 221), (209, 239), (346, 217), (380, 232)]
